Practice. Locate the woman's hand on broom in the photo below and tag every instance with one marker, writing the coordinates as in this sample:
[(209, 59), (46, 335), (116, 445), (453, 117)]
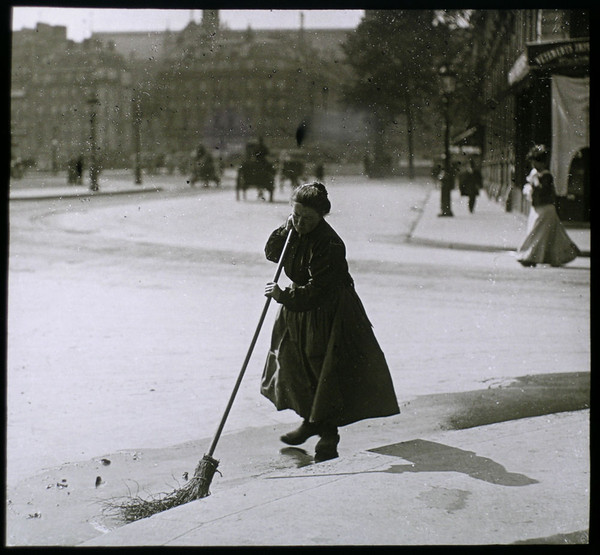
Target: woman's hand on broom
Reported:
[(289, 223), (272, 290)]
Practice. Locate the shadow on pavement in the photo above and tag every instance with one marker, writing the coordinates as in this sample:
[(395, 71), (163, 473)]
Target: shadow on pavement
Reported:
[(429, 456)]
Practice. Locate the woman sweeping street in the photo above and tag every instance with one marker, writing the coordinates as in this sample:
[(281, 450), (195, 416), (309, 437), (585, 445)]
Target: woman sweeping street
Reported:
[(324, 362), (547, 241)]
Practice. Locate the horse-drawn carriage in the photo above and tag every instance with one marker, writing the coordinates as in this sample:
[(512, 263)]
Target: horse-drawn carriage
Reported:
[(204, 168), (255, 174), (293, 169)]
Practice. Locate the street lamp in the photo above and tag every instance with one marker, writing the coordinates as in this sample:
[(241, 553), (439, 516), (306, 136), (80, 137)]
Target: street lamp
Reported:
[(448, 81), (93, 102), (54, 156), (137, 117)]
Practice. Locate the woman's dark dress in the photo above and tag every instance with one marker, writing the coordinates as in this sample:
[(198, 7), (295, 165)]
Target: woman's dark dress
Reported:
[(324, 362), (547, 241)]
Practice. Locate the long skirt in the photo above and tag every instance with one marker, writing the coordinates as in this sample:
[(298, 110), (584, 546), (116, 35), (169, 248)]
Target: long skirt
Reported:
[(326, 364), (547, 241)]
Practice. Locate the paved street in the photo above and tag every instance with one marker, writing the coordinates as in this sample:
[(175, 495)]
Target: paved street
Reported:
[(109, 293), (129, 316)]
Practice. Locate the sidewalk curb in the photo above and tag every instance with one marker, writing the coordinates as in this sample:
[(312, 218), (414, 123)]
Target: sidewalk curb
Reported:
[(82, 194), (470, 246), (427, 230), (455, 245)]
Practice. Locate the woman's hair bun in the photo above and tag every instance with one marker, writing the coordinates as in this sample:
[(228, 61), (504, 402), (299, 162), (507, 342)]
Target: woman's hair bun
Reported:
[(540, 153), (320, 187), (314, 195)]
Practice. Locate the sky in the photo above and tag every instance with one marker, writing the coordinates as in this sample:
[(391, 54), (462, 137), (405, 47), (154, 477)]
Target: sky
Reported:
[(80, 22)]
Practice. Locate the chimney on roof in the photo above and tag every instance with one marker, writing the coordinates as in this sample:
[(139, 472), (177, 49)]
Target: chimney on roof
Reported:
[(301, 37), (210, 21)]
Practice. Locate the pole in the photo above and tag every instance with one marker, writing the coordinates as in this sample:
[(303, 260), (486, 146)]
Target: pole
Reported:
[(447, 177), (137, 140), (93, 161), (54, 156)]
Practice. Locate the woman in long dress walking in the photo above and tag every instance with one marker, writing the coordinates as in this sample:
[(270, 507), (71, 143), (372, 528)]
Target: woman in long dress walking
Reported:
[(324, 361), (547, 241)]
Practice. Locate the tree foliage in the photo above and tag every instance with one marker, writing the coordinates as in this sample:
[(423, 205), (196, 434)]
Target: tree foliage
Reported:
[(395, 56), (391, 55)]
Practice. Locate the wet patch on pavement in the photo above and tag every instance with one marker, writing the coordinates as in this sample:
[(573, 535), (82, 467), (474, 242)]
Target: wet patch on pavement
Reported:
[(580, 537), (299, 457), (449, 500), (527, 396), (521, 397)]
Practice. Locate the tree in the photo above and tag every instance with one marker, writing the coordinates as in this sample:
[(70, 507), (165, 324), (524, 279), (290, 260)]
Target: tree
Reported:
[(459, 49), (395, 55)]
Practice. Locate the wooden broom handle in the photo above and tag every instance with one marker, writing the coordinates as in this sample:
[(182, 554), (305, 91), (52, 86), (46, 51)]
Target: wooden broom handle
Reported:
[(250, 349)]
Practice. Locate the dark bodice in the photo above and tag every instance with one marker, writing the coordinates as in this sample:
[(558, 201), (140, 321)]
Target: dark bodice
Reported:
[(315, 262), (545, 193)]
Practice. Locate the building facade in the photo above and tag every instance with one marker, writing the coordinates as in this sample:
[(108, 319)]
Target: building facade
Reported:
[(174, 90), (535, 88), (224, 88), (55, 84)]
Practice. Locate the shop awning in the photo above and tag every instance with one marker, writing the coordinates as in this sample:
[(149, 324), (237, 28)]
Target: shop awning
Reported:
[(570, 126), (550, 55), (467, 134), (467, 142)]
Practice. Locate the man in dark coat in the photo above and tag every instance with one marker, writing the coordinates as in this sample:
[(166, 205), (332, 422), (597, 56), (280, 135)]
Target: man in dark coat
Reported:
[(470, 182)]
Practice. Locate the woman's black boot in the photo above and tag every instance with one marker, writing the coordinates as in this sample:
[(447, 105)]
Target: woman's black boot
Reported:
[(326, 447), (300, 435)]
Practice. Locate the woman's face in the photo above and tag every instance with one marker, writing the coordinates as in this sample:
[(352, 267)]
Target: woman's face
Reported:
[(304, 218)]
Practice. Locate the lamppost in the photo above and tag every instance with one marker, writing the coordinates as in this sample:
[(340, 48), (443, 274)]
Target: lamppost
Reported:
[(448, 81), (93, 102), (137, 117), (54, 156)]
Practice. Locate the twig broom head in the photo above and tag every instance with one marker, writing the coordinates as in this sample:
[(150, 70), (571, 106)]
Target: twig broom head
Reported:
[(135, 508)]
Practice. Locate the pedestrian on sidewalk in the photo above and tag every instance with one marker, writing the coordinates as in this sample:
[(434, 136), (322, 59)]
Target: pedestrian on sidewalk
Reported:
[(470, 183), (324, 362), (547, 241)]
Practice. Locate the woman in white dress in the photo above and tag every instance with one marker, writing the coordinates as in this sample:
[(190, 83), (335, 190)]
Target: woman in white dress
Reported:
[(547, 241)]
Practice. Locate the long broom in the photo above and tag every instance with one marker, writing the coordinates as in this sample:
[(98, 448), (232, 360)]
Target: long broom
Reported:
[(136, 508)]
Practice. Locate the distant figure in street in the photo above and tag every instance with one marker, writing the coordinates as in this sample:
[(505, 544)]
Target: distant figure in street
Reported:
[(75, 171), (324, 362), (367, 164), (79, 169), (71, 175), (319, 171), (261, 149), (547, 241), (203, 167), (470, 182)]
